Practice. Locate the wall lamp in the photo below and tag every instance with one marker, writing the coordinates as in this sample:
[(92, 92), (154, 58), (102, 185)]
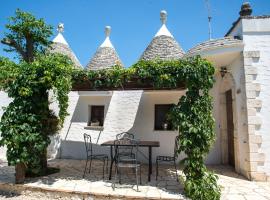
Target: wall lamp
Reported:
[(223, 71)]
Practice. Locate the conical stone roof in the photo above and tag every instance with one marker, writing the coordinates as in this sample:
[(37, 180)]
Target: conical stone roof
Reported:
[(60, 45), (105, 56), (163, 46)]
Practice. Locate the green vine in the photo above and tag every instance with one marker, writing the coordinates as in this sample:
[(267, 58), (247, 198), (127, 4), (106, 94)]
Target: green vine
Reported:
[(27, 122)]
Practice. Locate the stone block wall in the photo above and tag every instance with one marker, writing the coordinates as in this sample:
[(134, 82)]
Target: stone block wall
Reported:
[(257, 78)]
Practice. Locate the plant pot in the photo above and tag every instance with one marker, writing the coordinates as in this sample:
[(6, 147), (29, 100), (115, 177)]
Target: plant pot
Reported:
[(94, 124)]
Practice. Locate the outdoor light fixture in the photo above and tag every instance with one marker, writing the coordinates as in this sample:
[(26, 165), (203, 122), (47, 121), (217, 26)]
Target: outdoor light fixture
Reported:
[(223, 71)]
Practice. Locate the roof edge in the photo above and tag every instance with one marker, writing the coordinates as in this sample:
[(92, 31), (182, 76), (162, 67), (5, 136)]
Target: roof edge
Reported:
[(245, 17)]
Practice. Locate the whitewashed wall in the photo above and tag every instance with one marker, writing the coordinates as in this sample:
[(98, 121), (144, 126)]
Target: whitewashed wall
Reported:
[(72, 145), (4, 101)]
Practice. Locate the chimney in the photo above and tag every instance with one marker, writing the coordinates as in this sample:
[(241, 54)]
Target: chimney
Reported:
[(246, 10)]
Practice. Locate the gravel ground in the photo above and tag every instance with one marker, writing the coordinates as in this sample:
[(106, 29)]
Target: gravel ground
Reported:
[(35, 195), (13, 196)]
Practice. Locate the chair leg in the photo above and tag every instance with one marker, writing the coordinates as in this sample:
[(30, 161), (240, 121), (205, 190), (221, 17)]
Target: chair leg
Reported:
[(137, 179), (156, 170), (107, 165), (85, 168), (176, 171), (140, 174), (119, 172), (115, 174), (103, 169), (90, 165)]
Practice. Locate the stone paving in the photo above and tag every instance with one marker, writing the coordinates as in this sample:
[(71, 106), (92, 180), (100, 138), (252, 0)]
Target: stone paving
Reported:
[(69, 179)]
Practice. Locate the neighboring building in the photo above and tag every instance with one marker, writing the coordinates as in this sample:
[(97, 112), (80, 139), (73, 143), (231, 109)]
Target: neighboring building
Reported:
[(241, 99)]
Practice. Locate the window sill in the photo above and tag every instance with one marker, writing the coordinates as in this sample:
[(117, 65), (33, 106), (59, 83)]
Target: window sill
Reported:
[(163, 131), (94, 128)]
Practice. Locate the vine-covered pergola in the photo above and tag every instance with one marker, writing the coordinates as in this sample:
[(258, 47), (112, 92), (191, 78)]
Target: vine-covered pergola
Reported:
[(192, 116)]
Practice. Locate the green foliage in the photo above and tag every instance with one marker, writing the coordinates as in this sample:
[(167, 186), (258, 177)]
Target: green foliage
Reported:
[(193, 118), (27, 35), (27, 122)]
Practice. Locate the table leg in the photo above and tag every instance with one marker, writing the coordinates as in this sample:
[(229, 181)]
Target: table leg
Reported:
[(150, 163), (112, 160)]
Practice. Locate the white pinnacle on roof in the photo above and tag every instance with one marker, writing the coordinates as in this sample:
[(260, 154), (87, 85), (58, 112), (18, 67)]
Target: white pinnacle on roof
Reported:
[(60, 38), (163, 30), (107, 41), (61, 46)]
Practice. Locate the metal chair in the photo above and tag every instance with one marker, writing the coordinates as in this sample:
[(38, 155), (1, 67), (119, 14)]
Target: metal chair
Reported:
[(91, 156), (170, 159), (125, 151), (122, 161)]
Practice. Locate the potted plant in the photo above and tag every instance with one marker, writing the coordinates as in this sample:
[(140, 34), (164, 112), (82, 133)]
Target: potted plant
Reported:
[(95, 122)]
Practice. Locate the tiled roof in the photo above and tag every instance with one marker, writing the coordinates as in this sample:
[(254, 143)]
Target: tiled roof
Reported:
[(65, 50), (105, 56), (163, 46), (214, 44)]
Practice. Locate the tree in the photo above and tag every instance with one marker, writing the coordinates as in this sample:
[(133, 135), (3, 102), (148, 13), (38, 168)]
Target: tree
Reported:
[(27, 122), (27, 35)]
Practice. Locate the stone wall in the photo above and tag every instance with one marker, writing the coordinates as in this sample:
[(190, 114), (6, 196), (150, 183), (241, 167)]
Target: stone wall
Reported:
[(257, 74), (4, 101)]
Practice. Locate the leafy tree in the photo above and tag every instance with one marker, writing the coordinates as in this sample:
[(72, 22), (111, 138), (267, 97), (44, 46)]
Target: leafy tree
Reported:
[(27, 35), (27, 122)]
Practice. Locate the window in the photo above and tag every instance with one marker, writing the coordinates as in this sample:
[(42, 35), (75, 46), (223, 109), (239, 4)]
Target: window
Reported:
[(161, 117), (96, 116)]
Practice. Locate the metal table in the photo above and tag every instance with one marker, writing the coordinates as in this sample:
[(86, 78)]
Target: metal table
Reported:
[(142, 143)]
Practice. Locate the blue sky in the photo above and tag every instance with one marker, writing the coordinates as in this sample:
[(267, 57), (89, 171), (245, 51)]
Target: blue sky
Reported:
[(133, 22)]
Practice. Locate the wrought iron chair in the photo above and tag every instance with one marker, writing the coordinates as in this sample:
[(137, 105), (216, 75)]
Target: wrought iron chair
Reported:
[(171, 159), (126, 161), (125, 151), (91, 156)]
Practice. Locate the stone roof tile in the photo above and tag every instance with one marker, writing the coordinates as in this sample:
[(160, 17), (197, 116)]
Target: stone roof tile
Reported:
[(213, 44), (163, 46), (105, 56)]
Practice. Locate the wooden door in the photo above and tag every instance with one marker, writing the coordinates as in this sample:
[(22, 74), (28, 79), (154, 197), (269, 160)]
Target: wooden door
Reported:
[(230, 128)]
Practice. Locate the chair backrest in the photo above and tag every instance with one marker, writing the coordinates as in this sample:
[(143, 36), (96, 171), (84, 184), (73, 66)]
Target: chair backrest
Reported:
[(88, 144), (125, 149), (132, 147), (124, 135), (176, 146)]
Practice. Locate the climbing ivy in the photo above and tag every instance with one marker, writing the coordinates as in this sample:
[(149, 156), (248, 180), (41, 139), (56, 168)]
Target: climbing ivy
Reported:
[(192, 116)]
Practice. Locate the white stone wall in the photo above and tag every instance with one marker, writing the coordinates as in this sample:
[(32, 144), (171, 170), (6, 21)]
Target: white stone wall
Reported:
[(4, 101), (140, 122), (256, 36), (144, 126), (120, 113)]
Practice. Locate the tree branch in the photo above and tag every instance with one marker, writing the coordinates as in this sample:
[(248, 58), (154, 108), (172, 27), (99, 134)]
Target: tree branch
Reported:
[(14, 44)]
